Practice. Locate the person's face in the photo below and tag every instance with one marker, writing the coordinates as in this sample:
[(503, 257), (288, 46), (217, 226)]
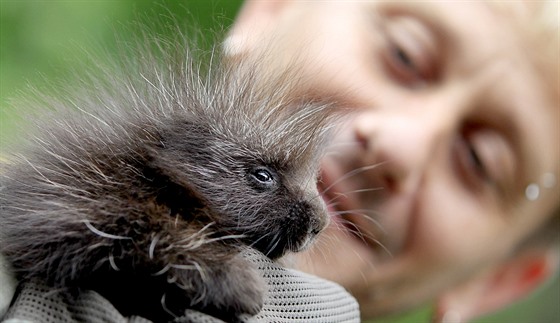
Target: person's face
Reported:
[(450, 123)]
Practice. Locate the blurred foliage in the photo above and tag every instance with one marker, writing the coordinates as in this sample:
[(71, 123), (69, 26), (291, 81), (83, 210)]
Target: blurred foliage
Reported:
[(44, 41)]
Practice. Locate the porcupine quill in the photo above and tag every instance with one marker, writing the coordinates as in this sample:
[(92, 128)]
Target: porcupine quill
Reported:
[(146, 180)]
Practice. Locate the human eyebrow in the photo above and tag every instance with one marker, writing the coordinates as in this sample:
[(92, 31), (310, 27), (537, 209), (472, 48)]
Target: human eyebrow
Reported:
[(414, 51), (437, 23)]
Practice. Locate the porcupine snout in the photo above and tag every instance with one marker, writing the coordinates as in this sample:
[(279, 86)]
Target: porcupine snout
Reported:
[(311, 217)]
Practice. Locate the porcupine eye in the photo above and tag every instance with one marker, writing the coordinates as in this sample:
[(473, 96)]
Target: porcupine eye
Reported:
[(263, 177)]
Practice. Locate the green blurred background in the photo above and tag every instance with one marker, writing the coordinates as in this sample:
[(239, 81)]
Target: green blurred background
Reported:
[(44, 41)]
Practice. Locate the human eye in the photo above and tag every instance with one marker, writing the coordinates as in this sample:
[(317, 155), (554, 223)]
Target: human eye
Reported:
[(483, 159), (469, 163), (402, 65), (409, 54)]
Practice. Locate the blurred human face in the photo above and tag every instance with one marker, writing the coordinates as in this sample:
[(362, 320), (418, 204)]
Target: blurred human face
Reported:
[(450, 121)]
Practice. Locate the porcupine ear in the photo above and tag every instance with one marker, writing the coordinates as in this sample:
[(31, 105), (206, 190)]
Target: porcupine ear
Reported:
[(175, 190)]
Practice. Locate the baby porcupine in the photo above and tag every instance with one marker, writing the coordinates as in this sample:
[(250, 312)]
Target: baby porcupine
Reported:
[(148, 181)]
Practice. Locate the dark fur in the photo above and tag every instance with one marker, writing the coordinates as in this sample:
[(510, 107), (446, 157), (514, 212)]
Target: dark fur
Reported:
[(144, 184)]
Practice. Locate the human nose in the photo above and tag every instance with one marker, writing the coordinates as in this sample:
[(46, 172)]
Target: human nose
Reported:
[(406, 144)]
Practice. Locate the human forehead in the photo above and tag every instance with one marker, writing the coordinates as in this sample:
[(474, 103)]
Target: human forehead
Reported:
[(452, 19)]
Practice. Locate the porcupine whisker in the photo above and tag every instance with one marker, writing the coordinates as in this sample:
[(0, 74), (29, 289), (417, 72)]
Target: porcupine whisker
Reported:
[(192, 244), (199, 235), (227, 237), (257, 223), (112, 262), (162, 271), (363, 213), (183, 286), (51, 292), (351, 173), (203, 277), (273, 243), (264, 236), (323, 251), (202, 272), (362, 236), (331, 201), (357, 191), (98, 245), (172, 279), (335, 154), (353, 229), (367, 213), (165, 307), (334, 147), (153, 246), (183, 267), (103, 234)]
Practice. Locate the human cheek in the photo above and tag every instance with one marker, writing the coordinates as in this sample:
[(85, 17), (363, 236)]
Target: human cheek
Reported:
[(452, 227)]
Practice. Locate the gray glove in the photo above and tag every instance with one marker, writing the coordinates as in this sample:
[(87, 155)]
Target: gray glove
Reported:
[(293, 297)]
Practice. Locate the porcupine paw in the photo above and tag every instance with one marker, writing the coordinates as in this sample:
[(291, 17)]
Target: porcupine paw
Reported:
[(234, 292)]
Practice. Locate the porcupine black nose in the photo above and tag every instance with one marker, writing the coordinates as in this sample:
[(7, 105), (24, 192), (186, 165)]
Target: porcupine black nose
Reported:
[(301, 222), (309, 218)]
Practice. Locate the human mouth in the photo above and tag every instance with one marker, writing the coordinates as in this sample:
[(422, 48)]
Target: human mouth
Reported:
[(349, 220)]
